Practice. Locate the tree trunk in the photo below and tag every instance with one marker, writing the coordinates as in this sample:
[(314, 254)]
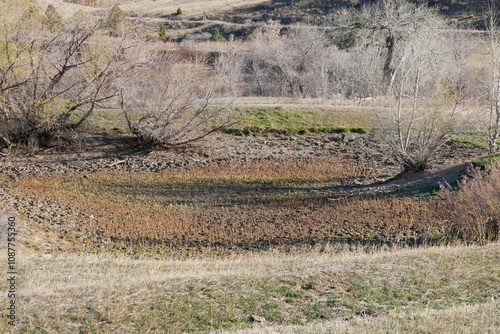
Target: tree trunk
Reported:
[(388, 70)]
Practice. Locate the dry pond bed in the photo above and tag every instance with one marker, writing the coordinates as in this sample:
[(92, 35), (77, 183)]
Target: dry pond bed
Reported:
[(331, 191)]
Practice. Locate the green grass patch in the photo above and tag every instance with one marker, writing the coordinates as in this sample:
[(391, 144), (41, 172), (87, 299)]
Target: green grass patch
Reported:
[(486, 160), (294, 120), (255, 120), (359, 129), (107, 121), (471, 140)]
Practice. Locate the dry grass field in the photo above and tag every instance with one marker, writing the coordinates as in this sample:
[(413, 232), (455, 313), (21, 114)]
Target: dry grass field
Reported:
[(189, 7), (154, 8), (333, 289)]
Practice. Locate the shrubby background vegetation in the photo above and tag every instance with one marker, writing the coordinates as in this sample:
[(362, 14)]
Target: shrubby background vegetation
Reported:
[(407, 56)]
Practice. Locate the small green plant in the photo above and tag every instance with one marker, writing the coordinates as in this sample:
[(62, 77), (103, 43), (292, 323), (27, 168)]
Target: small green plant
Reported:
[(118, 130), (290, 130), (358, 129), (272, 310), (115, 18), (340, 130), (162, 33), (347, 41), (310, 285), (216, 35), (179, 11)]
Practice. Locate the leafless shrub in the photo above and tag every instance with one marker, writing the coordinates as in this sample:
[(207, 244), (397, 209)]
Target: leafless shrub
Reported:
[(357, 73), (229, 69), (427, 102), (491, 104), (300, 61), (474, 209), (171, 102), (51, 80)]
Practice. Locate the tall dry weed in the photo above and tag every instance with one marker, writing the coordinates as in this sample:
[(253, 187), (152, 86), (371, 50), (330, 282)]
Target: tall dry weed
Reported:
[(474, 208)]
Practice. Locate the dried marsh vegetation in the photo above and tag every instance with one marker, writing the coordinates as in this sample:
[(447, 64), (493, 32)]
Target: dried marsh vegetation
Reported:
[(474, 210), (246, 205)]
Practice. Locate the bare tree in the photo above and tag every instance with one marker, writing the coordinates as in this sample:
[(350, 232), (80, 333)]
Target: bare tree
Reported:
[(51, 80), (297, 62), (302, 62), (386, 24), (357, 73), (492, 129), (229, 67), (422, 70), (171, 102), (306, 60), (427, 104), (270, 62)]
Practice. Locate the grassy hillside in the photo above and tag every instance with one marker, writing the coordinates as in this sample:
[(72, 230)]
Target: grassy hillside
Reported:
[(314, 11), (189, 8), (236, 15), (153, 8)]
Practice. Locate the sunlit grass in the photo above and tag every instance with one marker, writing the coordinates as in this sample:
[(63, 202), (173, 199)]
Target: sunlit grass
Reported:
[(316, 289), (473, 140), (486, 160), (298, 120)]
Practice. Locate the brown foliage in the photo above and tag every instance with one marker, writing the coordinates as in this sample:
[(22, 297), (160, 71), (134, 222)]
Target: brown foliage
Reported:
[(312, 169), (474, 209), (298, 219)]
